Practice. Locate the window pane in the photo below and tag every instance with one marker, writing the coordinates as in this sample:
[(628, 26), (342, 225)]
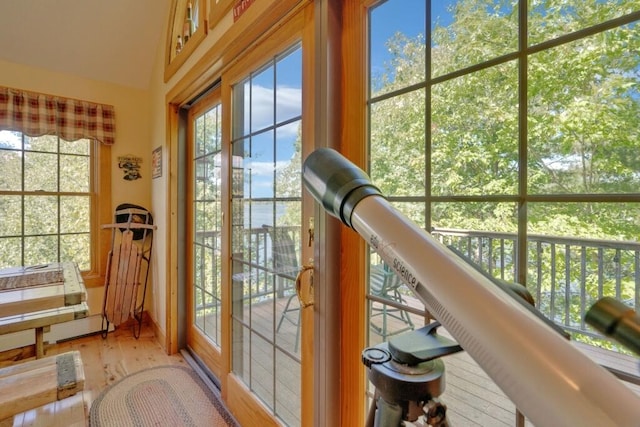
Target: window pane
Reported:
[(198, 136), (583, 116), (288, 388), (397, 45), (262, 368), (586, 220), (212, 130), (412, 210), (582, 251), (287, 214), (478, 216), (260, 166), (80, 147), (289, 86), (483, 232), (40, 250), (547, 21), (11, 176), (40, 172), (11, 250), (288, 162), (46, 143), (241, 109), (11, 214), (398, 144), (475, 133), (75, 214), (10, 139), (262, 102), (40, 215), (75, 174), (467, 33), (77, 248), (200, 178)]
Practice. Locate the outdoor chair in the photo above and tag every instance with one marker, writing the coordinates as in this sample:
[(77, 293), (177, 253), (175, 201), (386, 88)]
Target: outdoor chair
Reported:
[(384, 284), (286, 268)]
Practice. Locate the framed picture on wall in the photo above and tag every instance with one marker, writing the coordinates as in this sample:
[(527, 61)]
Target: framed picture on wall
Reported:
[(156, 163)]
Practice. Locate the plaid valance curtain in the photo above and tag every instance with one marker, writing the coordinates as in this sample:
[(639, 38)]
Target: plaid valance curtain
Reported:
[(36, 114)]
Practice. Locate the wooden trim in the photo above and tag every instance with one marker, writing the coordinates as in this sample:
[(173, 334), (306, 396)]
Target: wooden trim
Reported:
[(239, 398), (102, 214), (353, 143), (171, 271), (210, 355), (218, 9)]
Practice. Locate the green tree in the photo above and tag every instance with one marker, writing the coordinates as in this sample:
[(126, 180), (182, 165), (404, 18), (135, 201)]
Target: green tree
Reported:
[(583, 113)]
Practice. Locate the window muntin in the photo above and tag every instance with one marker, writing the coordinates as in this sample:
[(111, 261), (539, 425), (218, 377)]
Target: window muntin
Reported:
[(499, 112), (45, 200)]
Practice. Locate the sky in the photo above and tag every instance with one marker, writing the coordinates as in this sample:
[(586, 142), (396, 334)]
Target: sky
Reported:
[(406, 16)]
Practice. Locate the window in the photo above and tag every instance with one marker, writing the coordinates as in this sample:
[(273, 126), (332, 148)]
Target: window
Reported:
[(48, 200), (510, 129)]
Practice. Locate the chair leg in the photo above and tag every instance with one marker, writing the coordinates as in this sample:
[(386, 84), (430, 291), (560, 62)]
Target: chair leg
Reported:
[(297, 322), (284, 312), (295, 348)]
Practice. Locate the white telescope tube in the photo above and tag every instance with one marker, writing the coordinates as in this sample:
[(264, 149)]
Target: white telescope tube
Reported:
[(550, 381)]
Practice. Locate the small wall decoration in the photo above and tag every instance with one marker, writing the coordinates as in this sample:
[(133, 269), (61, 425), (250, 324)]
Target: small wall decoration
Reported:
[(156, 163), (241, 7), (130, 166)]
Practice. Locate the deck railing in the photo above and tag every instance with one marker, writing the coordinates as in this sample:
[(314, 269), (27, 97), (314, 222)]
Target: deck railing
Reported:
[(256, 267), (566, 276)]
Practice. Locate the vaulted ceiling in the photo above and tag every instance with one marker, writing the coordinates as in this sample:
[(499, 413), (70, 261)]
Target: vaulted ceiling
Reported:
[(114, 41)]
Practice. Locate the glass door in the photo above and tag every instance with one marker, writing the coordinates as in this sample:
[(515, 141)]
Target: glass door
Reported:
[(266, 232), (205, 293)]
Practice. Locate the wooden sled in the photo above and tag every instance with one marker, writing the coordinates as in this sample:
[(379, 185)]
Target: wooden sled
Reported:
[(128, 261)]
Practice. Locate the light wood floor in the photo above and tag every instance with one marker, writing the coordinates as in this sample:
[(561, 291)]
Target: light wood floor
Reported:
[(105, 362)]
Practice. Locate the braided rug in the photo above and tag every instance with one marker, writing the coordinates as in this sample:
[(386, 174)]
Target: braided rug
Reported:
[(160, 396)]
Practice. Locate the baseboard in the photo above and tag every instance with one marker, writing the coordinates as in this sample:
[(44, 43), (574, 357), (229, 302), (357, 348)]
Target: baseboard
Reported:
[(58, 332)]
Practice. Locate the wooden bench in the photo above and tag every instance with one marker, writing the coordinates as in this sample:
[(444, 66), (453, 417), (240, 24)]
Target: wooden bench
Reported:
[(38, 382), (39, 296)]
